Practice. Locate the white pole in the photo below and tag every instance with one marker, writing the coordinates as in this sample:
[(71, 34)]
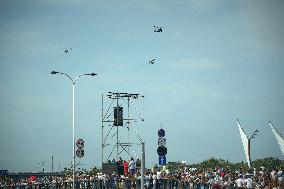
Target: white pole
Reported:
[(73, 116), (73, 143), (142, 164), (102, 130)]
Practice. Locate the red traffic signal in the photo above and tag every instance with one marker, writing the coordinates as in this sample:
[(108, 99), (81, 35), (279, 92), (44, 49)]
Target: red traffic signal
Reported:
[(80, 143)]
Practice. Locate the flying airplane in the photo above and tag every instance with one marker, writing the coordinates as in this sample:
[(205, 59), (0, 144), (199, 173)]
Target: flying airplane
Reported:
[(67, 50), (152, 61), (158, 29)]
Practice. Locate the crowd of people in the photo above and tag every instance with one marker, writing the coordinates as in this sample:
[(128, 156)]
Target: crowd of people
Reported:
[(158, 178), (126, 167)]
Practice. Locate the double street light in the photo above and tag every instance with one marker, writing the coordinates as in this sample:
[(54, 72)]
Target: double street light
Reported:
[(253, 134), (73, 114), (249, 140)]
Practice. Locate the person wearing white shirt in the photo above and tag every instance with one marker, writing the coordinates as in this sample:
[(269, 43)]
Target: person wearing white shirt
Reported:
[(273, 174), (132, 166), (240, 182), (154, 177), (159, 174), (159, 177), (249, 182)]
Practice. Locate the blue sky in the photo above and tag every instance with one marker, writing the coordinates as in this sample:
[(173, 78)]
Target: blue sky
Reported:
[(216, 61)]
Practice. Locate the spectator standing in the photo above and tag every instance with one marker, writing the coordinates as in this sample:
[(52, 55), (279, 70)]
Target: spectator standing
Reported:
[(159, 179), (154, 177), (273, 174), (138, 163), (240, 182), (125, 168), (248, 182), (132, 167)]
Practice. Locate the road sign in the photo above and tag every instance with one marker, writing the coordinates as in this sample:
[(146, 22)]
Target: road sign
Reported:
[(80, 153), (162, 160), (161, 133), (80, 143), (162, 141), (162, 150)]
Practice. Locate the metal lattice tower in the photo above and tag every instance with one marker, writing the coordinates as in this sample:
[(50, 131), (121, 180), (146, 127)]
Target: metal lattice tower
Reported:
[(116, 129)]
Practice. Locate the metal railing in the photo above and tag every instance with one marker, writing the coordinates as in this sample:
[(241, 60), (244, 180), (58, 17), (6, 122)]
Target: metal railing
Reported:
[(118, 184)]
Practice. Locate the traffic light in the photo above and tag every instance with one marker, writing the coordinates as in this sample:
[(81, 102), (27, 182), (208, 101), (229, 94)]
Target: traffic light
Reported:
[(118, 116), (161, 133), (80, 146), (162, 150)]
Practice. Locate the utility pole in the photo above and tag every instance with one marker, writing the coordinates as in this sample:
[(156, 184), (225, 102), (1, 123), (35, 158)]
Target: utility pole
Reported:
[(43, 167), (52, 164)]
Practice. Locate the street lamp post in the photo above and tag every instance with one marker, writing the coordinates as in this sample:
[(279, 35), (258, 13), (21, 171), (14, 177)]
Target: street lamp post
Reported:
[(73, 114), (250, 138)]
